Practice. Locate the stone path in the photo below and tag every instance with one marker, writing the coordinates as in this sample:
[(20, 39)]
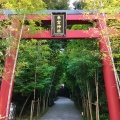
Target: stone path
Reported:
[(63, 109)]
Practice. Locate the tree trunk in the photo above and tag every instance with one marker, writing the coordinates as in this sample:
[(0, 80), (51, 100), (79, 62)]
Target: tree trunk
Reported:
[(40, 102), (87, 109), (72, 93), (46, 104), (23, 107), (84, 105), (97, 102), (89, 102), (32, 110), (44, 99), (38, 108), (35, 86)]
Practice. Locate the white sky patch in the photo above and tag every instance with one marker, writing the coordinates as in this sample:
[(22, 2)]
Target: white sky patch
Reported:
[(71, 3)]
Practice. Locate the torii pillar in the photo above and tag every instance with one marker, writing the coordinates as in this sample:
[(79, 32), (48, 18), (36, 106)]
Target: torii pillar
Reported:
[(108, 72), (8, 80), (9, 73)]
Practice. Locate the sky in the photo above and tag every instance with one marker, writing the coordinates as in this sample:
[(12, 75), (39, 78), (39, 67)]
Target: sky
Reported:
[(71, 1)]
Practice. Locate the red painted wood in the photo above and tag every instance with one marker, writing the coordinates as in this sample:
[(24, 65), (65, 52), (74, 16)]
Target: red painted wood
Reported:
[(8, 79), (109, 76), (71, 19), (74, 19), (78, 34), (8, 74), (71, 34), (2, 17)]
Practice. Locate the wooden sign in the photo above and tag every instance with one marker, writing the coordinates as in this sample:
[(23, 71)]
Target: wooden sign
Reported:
[(58, 24)]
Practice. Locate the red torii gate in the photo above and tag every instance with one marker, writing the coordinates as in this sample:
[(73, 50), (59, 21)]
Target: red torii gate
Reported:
[(99, 33)]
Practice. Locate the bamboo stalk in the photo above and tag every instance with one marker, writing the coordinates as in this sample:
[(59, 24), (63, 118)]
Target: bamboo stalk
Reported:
[(43, 109), (97, 102), (89, 102), (32, 110), (38, 108), (23, 107)]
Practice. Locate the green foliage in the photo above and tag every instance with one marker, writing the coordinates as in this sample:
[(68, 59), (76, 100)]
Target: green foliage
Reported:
[(20, 7), (110, 7), (106, 6), (24, 6), (79, 4), (2, 55), (116, 53), (57, 4), (83, 59), (33, 59)]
